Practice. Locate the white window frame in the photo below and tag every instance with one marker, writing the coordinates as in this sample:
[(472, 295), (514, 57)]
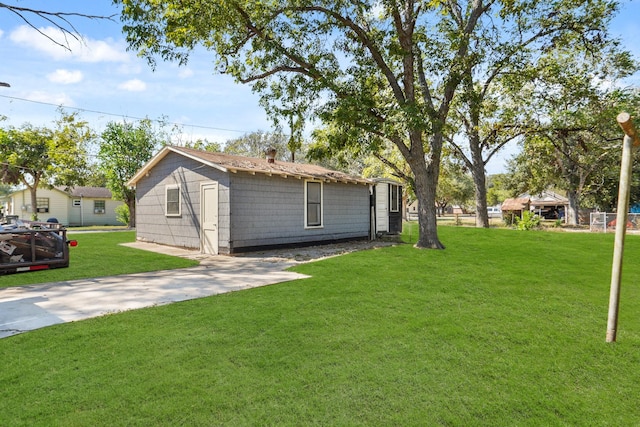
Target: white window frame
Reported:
[(306, 205), (393, 208), (166, 200), (97, 210), (42, 204), (77, 203)]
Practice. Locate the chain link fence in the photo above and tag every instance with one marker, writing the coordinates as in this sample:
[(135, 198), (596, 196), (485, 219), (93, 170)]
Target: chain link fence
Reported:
[(602, 222)]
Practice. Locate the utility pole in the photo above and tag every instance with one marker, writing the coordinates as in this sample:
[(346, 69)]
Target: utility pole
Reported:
[(629, 145)]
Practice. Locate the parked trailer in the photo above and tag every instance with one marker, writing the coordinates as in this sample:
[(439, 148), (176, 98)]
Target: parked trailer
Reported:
[(33, 246)]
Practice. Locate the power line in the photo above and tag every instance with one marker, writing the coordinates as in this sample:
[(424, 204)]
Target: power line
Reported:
[(86, 110)]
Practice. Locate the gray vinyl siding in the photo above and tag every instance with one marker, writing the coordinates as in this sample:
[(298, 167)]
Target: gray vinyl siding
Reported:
[(152, 225), (270, 211), (253, 210)]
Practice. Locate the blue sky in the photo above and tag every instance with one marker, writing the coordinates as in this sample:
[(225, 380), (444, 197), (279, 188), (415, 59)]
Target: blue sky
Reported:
[(107, 83)]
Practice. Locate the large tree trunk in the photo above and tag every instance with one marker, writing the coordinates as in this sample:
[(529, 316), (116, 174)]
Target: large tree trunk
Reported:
[(33, 190), (572, 176), (479, 176), (34, 203), (480, 184), (131, 204), (573, 213), (426, 179)]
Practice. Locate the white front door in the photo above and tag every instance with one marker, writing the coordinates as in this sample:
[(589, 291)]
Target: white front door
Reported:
[(209, 216), (382, 207)]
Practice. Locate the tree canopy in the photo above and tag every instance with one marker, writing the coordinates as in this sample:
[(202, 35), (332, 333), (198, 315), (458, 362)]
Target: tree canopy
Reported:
[(124, 149), (254, 144), (378, 71), (573, 106), (38, 156)]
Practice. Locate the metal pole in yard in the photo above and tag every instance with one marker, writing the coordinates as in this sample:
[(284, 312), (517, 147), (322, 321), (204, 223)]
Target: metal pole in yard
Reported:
[(630, 142)]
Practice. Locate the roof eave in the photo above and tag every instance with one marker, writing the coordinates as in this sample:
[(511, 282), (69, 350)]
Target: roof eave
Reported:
[(161, 155)]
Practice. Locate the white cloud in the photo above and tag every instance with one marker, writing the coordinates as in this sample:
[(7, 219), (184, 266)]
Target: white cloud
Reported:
[(129, 68), (134, 85), (184, 73), (51, 98), (82, 50), (65, 76)]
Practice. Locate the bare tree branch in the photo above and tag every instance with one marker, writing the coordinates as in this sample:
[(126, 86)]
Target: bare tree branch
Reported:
[(59, 20)]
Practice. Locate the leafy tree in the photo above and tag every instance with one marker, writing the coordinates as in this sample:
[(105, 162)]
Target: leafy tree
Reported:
[(489, 119), (72, 138), (497, 189), (95, 177), (493, 101), (255, 144), (204, 145), (602, 190), (124, 149), (5, 190), (577, 135), (455, 186), (378, 71), (34, 157), (122, 214)]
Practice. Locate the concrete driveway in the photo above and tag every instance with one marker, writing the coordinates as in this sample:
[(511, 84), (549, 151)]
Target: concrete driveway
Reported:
[(26, 308)]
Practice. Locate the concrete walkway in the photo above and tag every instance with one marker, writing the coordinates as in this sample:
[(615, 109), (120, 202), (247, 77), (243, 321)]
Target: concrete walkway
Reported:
[(26, 308)]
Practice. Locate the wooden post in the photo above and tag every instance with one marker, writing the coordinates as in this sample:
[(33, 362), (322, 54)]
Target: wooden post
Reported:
[(625, 122), (630, 141)]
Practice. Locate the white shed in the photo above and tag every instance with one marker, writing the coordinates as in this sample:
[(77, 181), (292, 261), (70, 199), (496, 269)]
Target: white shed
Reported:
[(388, 206)]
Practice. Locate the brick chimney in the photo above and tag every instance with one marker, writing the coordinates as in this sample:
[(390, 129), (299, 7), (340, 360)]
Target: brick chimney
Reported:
[(271, 154)]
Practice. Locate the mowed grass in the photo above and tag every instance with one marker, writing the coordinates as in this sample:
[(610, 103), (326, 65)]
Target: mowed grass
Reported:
[(97, 255), (503, 328)]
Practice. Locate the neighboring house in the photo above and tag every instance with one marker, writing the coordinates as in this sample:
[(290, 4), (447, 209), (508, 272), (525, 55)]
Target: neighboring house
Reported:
[(549, 205), (76, 206), (512, 208), (224, 204), (388, 212)]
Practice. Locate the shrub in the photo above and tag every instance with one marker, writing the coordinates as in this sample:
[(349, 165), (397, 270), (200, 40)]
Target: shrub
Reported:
[(529, 221), (509, 218), (122, 214)]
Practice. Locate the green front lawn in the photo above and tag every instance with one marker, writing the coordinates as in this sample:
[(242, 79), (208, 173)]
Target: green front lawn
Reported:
[(503, 328), (100, 254)]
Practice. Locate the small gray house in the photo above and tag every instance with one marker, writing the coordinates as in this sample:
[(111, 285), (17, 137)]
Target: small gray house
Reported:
[(224, 204)]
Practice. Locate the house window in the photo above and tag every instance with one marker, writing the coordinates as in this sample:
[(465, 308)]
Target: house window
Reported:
[(394, 198), (98, 206), (77, 203), (42, 204), (313, 204), (172, 198)]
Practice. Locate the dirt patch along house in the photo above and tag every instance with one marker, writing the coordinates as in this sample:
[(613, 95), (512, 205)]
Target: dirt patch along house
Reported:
[(223, 204)]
